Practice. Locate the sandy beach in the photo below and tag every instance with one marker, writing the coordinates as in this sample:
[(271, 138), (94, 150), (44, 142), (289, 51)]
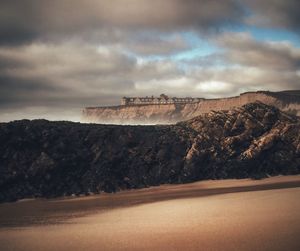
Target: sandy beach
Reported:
[(209, 215)]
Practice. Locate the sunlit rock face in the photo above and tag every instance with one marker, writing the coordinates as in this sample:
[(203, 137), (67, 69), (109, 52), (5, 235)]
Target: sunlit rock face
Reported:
[(42, 158), (134, 114), (171, 113)]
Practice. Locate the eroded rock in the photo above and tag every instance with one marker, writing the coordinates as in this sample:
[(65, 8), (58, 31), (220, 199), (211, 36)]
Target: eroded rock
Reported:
[(48, 159)]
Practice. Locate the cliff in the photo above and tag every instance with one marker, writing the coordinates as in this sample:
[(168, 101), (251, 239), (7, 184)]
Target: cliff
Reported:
[(288, 101), (45, 159)]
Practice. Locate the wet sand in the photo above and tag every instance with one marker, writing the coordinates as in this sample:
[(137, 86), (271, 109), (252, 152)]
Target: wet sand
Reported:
[(210, 215)]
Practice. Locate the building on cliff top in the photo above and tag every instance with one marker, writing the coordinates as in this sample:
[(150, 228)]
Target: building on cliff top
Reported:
[(162, 99)]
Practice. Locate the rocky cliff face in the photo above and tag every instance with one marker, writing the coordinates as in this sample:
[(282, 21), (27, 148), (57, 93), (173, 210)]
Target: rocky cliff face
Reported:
[(172, 113), (134, 114), (42, 158)]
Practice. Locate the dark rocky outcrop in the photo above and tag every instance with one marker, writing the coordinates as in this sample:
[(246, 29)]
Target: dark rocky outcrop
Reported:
[(46, 159)]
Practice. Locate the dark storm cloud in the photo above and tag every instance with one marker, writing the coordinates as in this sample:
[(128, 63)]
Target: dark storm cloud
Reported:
[(27, 20), (275, 13), (25, 91), (43, 74), (30, 20), (40, 73)]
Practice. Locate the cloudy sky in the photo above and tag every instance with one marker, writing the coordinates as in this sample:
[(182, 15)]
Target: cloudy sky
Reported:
[(59, 56)]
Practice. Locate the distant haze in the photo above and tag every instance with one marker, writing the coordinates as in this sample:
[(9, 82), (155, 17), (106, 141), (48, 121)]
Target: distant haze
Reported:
[(59, 56)]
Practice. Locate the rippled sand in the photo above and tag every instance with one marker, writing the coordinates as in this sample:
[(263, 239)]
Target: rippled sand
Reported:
[(213, 215)]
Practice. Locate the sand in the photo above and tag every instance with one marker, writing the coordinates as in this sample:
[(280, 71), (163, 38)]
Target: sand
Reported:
[(211, 215)]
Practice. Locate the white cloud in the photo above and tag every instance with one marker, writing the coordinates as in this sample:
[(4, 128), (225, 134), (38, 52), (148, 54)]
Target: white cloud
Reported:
[(213, 86)]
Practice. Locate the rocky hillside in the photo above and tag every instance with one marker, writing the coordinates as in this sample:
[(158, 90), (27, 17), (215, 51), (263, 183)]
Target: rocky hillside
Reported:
[(288, 101), (42, 158)]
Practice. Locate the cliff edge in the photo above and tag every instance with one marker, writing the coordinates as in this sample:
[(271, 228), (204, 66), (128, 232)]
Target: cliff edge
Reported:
[(288, 101)]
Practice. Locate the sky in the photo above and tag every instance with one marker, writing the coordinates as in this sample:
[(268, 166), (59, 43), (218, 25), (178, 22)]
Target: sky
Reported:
[(59, 56)]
